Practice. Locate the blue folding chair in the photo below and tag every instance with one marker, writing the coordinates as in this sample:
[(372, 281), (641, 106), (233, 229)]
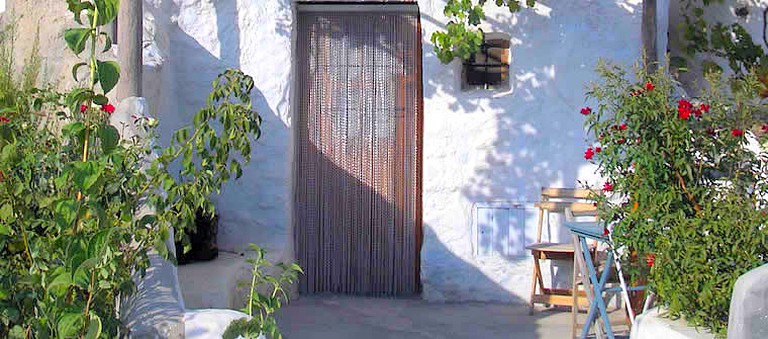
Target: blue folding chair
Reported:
[(594, 230)]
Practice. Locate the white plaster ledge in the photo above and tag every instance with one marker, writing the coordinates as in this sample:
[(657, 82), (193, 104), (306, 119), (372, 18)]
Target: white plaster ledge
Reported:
[(653, 325)]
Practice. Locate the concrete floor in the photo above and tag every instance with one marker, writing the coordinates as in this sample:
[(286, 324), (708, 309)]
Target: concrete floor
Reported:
[(320, 317)]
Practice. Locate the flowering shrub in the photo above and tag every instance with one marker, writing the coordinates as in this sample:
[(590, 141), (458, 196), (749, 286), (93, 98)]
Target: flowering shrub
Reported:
[(80, 207), (688, 196)]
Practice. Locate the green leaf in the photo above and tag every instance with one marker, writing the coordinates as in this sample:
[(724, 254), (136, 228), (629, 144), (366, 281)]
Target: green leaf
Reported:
[(109, 138), (109, 74), (65, 212), (100, 99), (76, 38), (60, 284), (107, 11), (5, 229), (75, 68), (86, 174), (94, 327), (70, 324), (107, 42), (6, 213), (82, 273), (77, 7), (73, 129)]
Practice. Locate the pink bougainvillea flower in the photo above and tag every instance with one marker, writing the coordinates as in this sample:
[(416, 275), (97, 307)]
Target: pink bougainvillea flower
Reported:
[(650, 259), (607, 186), (737, 132), (598, 149), (586, 111), (649, 86), (621, 141), (623, 127), (589, 153), (4, 119), (704, 108), (108, 108), (765, 128), (606, 231), (83, 108)]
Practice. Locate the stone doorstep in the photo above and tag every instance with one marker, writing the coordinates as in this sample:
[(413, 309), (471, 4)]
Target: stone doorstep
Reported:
[(653, 325), (214, 284)]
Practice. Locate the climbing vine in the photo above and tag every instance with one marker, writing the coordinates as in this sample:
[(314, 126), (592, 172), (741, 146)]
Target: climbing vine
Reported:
[(462, 37), (731, 42)]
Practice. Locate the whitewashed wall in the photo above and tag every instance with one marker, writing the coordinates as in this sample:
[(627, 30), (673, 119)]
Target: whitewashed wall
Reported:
[(480, 146)]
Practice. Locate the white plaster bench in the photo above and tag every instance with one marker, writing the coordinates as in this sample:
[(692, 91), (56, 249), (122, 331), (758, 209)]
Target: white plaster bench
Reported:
[(748, 314)]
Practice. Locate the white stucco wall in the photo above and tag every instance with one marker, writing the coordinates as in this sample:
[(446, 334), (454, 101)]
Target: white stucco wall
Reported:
[(479, 146), (2, 6)]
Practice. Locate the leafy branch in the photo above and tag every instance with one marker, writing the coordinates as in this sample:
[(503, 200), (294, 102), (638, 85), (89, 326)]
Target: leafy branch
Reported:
[(462, 37)]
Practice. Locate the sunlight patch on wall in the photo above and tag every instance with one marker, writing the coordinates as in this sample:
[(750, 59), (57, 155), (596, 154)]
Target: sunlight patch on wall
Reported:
[(2, 6), (629, 5)]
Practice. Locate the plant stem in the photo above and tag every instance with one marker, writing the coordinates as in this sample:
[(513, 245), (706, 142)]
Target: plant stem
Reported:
[(253, 287), (26, 245), (88, 302)]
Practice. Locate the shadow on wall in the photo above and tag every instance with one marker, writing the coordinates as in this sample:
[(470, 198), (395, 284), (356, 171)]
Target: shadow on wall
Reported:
[(516, 141), (194, 53), (331, 265)]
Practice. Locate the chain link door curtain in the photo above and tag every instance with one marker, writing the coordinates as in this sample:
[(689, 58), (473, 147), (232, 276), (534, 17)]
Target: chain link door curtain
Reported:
[(357, 206)]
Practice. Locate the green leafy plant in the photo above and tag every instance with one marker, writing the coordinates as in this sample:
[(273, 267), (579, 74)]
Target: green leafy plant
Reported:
[(81, 207), (261, 307), (731, 42), (462, 38), (687, 196)]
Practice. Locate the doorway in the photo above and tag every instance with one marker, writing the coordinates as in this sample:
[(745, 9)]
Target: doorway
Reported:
[(358, 149)]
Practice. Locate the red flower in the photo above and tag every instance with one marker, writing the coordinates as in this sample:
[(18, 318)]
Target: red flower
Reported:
[(606, 231), (2, 177), (650, 259), (586, 111), (704, 108), (4, 119), (108, 108), (684, 108), (623, 127), (83, 108), (598, 149), (710, 131), (649, 86), (765, 128), (697, 113), (607, 186), (588, 154), (621, 141), (736, 132)]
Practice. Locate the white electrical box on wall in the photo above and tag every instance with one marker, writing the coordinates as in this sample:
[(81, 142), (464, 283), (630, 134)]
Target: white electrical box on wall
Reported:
[(498, 229)]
